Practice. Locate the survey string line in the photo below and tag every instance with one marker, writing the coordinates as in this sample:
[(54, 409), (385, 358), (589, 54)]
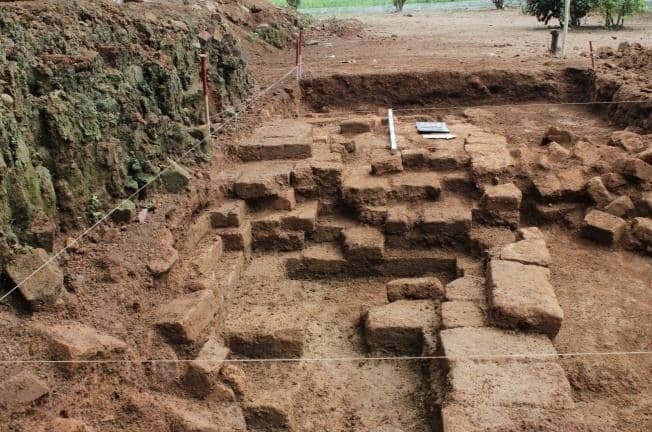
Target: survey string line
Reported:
[(510, 105), (247, 101), (472, 356)]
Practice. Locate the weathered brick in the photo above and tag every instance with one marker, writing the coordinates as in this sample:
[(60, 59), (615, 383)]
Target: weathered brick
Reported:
[(360, 188), (206, 257), (40, 288), (489, 159), (258, 182), (532, 384), (530, 233), (447, 219), (416, 186), (237, 238), (399, 327), (196, 231), (268, 234), (76, 341), (642, 230), (327, 176), (447, 156), (203, 374), (415, 159), (415, 288), (532, 251), (383, 162), (228, 214), (621, 206), (185, 318), (175, 178), (488, 343), (462, 314), (598, 192), (561, 136), (400, 219), (520, 296), (288, 139), (302, 218), (284, 199), (355, 127), (317, 261), (603, 227), (470, 288), (500, 205), (635, 169), (21, 390), (182, 415), (373, 215), (364, 243), (629, 141), (254, 332)]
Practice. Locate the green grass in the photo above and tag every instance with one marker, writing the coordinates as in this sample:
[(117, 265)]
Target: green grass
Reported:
[(307, 4)]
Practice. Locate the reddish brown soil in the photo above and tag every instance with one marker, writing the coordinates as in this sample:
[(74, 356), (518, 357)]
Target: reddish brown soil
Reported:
[(453, 41), (605, 294)]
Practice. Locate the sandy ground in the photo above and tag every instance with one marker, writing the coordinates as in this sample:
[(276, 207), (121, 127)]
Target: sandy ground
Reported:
[(452, 40), (607, 307), (358, 395)]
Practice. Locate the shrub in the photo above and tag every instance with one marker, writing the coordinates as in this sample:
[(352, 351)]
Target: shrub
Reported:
[(399, 4), (500, 4), (294, 3), (615, 11), (545, 10)]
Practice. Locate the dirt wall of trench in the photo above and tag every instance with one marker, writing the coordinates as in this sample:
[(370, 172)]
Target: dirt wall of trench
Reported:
[(494, 86), (491, 86), (94, 97)]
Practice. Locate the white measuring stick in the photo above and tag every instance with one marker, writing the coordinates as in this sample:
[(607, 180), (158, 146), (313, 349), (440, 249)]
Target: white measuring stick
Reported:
[(393, 147)]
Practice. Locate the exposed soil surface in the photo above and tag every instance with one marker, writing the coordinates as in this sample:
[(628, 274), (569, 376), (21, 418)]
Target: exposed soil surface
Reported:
[(454, 41), (306, 279)]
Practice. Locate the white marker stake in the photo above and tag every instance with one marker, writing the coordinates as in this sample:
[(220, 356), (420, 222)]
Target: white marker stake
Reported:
[(566, 19), (393, 147)]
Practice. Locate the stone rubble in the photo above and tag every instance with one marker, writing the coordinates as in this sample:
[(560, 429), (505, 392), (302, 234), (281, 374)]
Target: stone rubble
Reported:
[(21, 390), (39, 289)]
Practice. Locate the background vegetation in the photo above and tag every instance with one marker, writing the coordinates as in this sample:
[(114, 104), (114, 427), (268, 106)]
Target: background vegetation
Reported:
[(613, 12), (344, 3)]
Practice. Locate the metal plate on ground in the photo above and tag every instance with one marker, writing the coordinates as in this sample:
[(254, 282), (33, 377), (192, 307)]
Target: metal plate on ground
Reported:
[(445, 136), (430, 127)]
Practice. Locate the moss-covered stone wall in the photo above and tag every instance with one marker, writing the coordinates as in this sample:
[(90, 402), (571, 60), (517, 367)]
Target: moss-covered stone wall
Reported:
[(93, 98)]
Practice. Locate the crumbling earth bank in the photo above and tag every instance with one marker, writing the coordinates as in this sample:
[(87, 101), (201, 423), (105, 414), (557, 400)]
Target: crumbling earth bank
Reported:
[(624, 77), (93, 98)]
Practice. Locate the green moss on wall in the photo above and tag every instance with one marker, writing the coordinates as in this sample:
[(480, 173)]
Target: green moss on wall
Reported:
[(93, 100)]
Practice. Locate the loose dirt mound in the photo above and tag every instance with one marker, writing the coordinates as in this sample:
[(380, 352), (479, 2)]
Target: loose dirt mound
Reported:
[(623, 76), (635, 57), (344, 28)]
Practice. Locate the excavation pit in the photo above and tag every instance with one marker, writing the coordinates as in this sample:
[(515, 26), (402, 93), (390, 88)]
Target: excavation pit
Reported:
[(319, 289), (305, 278)]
